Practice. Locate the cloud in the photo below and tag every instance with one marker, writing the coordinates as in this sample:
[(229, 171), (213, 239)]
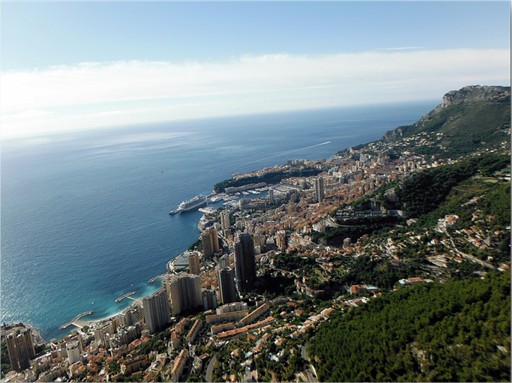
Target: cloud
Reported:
[(101, 94)]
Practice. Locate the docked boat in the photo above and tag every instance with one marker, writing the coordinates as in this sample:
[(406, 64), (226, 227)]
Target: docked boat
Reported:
[(192, 204)]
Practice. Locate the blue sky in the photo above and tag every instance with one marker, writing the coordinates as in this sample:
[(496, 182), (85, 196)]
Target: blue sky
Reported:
[(109, 63), (36, 35)]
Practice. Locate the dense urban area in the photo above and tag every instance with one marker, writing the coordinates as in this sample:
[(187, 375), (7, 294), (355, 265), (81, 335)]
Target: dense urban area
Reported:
[(389, 261)]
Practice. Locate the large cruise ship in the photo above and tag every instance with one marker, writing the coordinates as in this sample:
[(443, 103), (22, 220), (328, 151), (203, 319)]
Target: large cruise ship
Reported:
[(194, 203)]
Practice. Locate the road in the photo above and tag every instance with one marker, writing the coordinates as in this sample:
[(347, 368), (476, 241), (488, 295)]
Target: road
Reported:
[(209, 369), (469, 256), (309, 374)]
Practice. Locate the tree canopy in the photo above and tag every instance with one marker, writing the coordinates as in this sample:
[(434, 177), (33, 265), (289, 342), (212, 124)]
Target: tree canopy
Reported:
[(457, 331)]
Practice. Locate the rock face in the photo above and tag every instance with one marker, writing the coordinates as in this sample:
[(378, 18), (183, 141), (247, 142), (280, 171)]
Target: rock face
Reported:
[(476, 93), (473, 119)]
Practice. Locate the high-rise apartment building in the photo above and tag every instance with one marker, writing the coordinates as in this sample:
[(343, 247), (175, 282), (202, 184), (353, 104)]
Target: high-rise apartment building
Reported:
[(245, 263), (209, 298), (74, 350), (20, 348), (271, 199), (156, 311), (210, 240), (214, 237), (226, 281), (223, 262), (194, 266), (281, 240), (319, 189), (225, 220), (185, 292)]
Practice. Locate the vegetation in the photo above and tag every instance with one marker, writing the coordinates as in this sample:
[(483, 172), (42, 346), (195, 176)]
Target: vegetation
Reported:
[(157, 343), (378, 272), (4, 357), (458, 331), (423, 192), (465, 127), (354, 229)]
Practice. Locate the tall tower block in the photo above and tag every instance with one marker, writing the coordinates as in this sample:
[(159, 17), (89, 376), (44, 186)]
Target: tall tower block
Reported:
[(245, 263)]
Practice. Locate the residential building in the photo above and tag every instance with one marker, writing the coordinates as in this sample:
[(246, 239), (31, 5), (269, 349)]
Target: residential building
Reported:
[(223, 261), (226, 281), (209, 299), (245, 263), (179, 365), (210, 240), (225, 221), (185, 292), (20, 348), (156, 311), (194, 266), (74, 350), (319, 189), (281, 240), (194, 330)]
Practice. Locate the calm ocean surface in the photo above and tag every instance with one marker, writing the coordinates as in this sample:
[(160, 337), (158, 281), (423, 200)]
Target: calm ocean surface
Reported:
[(85, 215)]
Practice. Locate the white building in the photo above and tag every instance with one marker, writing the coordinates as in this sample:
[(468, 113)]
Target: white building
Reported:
[(74, 350)]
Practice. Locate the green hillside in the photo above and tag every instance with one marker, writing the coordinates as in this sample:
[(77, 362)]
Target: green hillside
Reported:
[(457, 331), (471, 119), (424, 191)]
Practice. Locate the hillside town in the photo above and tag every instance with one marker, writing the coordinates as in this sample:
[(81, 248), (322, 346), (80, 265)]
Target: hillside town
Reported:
[(241, 304)]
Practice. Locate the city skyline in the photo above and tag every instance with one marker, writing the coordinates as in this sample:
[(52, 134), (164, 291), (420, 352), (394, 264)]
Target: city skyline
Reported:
[(71, 66)]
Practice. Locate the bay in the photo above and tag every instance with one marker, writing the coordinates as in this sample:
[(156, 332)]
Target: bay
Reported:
[(84, 215)]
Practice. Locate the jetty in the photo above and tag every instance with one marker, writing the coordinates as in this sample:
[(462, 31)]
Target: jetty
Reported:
[(156, 277), (124, 296), (75, 319)]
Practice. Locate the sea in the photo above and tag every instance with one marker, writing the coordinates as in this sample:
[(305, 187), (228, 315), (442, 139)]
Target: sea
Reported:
[(84, 215)]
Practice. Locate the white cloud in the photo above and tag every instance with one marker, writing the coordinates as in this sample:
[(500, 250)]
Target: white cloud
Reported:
[(101, 94)]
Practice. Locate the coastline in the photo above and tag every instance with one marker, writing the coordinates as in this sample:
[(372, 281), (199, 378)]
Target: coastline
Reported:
[(84, 322), (36, 334), (169, 268), (100, 298), (108, 309)]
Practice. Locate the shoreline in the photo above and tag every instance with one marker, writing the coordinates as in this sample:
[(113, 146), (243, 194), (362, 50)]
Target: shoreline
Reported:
[(80, 323), (108, 309), (169, 268), (84, 322), (36, 334)]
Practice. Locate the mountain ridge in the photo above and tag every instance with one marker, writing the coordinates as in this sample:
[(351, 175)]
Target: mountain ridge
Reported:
[(473, 118)]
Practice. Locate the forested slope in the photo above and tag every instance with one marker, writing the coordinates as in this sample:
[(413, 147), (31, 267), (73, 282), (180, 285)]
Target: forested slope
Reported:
[(457, 331)]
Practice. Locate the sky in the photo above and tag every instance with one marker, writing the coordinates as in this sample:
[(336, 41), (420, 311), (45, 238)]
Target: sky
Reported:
[(78, 65)]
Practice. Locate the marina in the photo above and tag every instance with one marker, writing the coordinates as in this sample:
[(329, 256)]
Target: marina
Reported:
[(207, 210)]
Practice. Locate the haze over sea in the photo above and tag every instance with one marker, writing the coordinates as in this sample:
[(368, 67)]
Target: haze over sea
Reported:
[(85, 214)]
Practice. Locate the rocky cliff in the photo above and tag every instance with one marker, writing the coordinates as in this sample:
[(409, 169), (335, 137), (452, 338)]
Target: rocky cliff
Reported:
[(469, 119), (477, 93)]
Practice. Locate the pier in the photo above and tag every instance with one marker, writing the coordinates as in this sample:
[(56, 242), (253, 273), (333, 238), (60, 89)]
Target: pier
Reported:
[(156, 277), (75, 319), (124, 296)]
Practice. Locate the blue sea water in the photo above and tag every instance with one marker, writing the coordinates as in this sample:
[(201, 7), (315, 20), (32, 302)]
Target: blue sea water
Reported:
[(84, 215)]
